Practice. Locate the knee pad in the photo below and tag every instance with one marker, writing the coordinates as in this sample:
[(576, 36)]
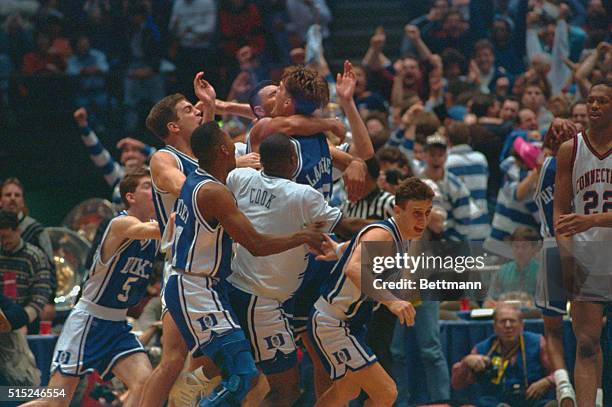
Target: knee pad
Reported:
[(238, 371)]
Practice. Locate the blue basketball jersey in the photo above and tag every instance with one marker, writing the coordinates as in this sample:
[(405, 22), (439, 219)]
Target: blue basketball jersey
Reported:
[(164, 201), (121, 280), (544, 196), (314, 163), (340, 292), (199, 247)]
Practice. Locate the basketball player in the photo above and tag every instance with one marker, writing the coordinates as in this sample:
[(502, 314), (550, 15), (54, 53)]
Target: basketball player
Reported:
[(584, 175), (550, 297), (173, 119), (207, 220), (96, 335), (337, 323), (263, 286)]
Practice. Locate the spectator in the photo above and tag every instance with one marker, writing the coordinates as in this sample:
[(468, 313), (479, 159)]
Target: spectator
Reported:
[(193, 24), (143, 85), (25, 270), (455, 197), (515, 206), (366, 100), (16, 39), (91, 66), (240, 25), (304, 13), (508, 38), (487, 75), (43, 60), (13, 200), (472, 169), (520, 274), (454, 32), (511, 366), (579, 115), (527, 129), (509, 109), (134, 154), (393, 166)]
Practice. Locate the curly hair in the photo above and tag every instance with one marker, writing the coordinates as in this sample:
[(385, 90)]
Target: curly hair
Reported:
[(307, 88)]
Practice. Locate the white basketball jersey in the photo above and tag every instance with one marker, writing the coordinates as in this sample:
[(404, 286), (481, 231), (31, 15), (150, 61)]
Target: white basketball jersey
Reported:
[(592, 186), (275, 206)]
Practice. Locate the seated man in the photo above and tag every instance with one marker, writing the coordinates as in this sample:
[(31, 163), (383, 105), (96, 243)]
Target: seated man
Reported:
[(511, 366)]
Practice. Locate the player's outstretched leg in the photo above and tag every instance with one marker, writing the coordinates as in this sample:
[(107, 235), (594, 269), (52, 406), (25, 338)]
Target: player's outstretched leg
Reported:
[(133, 371), (553, 331), (174, 352)]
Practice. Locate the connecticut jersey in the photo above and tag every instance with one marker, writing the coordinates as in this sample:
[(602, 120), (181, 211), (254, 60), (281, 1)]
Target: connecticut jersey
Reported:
[(314, 163), (121, 280), (275, 206), (340, 293), (592, 186), (199, 247), (544, 196), (163, 200)]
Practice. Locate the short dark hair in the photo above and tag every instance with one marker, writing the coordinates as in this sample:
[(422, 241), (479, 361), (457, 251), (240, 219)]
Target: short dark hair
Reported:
[(8, 220), (254, 99), (483, 44), (524, 233), (602, 82), (413, 189), (307, 88), (204, 140), (275, 149), (392, 155), (426, 123), (459, 133), (481, 103), (163, 113), (130, 182)]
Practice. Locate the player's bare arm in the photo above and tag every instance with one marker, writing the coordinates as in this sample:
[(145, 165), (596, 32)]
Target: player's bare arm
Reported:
[(563, 186), (130, 227), (354, 172), (402, 309), (291, 125), (349, 227), (223, 107), (166, 174), (205, 94), (216, 203), (345, 89)]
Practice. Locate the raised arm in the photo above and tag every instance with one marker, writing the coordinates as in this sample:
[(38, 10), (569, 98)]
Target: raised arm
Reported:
[(166, 174), (217, 203), (374, 58), (100, 156), (345, 89)]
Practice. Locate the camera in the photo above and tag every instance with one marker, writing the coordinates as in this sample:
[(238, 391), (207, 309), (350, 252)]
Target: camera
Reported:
[(490, 373)]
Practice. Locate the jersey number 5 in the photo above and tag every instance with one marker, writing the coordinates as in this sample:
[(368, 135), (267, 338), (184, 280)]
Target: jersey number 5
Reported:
[(123, 297), (591, 202)]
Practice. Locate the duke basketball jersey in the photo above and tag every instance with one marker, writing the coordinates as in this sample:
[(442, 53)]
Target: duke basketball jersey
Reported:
[(163, 200), (314, 163), (120, 281), (199, 247), (544, 196), (340, 293), (592, 186)]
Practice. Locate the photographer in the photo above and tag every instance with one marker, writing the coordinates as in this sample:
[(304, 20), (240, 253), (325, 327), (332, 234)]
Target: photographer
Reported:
[(511, 366)]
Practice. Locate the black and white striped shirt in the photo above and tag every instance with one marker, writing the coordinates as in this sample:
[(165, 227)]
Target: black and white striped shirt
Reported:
[(378, 205)]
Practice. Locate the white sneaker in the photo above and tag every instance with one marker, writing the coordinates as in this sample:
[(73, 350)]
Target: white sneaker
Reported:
[(190, 387), (565, 391)]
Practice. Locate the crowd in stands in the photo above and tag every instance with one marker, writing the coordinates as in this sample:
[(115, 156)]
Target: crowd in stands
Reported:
[(480, 89)]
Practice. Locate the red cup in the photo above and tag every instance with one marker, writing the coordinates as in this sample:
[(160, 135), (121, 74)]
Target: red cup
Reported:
[(465, 304), (45, 328)]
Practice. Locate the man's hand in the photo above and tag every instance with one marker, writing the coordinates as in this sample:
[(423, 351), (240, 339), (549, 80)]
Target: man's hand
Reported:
[(410, 115), (80, 116), (412, 32), (355, 179), (573, 223), (248, 160), (537, 389), (561, 127), (204, 90), (378, 39), (313, 237), (403, 310), (130, 142), (5, 325), (474, 73), (345, 84), (476, 363), (241, 84), (329, 249)]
